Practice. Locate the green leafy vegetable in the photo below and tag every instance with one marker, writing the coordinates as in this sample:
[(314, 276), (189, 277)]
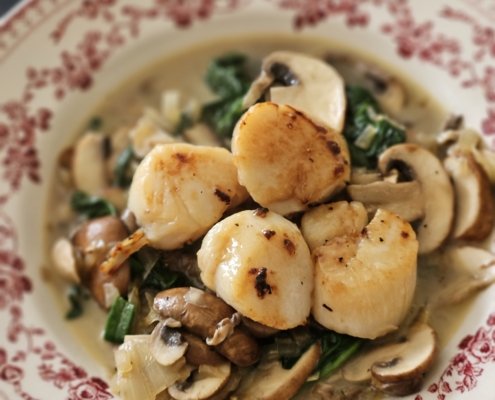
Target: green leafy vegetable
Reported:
[(150, 274), (122, 173), (222, 115), (91, 206), (119, 320), (161, 278), (95, 123), (367, 131), (226, 77), (336, 349), (77, 296)]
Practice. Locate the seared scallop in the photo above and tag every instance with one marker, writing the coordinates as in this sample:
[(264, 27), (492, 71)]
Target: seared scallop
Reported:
[(364, 282), (323, 223), (285, 160), (258, 262), (179, 191)]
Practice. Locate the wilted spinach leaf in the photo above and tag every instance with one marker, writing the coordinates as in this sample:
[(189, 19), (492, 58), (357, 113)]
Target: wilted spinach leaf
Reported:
[(227, 77), (367, 131), (91, 206)]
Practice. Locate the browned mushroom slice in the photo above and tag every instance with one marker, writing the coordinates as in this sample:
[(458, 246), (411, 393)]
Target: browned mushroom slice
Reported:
[(202, 383), (404, 198), (199, 312), (396, 368), (199, 353), (438, 195), (93, 240), (270, 381), (475, 212)]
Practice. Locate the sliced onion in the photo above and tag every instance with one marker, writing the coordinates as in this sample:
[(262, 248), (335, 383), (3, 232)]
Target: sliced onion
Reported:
[(139, 376)]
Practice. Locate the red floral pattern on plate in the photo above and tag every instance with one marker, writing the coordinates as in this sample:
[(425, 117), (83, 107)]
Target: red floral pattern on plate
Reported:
[(21, 122)]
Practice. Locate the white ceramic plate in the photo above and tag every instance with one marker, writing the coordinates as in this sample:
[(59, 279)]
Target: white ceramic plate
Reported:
[(58, 57)]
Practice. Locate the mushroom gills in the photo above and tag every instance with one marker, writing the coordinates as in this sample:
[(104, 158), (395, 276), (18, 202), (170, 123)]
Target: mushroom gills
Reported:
[(396, 368)]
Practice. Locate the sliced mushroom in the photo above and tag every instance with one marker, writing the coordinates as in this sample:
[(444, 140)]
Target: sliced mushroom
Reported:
[(88, 164), (438, 195), (199, 312), (64, 260), (386, 88), (403, 198), (396, 368), (167, 344), (475, 211), (258, 330), (466, 270), (93, 241), (303, 82), (362, 176), (203, 383), (139, 375), (468, 141), (270, 381), (321, 224), (199, 353)]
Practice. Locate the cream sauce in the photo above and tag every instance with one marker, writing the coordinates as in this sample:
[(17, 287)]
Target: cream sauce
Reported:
[(184, 71)]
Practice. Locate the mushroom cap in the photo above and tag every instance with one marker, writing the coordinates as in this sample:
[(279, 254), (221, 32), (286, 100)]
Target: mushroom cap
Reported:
[(475, 212), (437, 190), (94, 239), (199, 312), (364, 283), (315, 87), (396, 368), (270, 381)]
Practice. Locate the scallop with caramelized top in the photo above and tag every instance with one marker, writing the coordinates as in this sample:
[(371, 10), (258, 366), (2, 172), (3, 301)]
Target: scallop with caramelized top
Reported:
[(364, 282), (179, 191), (287, 161), (258, 262)]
